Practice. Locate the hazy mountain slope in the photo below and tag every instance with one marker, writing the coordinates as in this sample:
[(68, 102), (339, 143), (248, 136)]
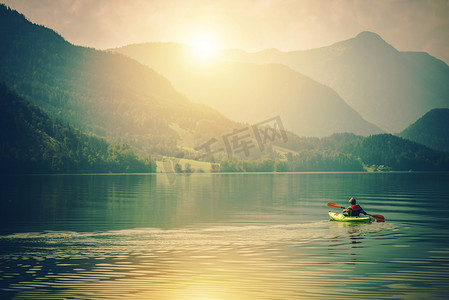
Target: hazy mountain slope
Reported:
[(387, 87), (253, 93), (33, 143), (431, 130), (108, 94)]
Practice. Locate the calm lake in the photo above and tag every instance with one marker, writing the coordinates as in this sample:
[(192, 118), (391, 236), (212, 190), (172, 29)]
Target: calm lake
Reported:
[(223, 236)]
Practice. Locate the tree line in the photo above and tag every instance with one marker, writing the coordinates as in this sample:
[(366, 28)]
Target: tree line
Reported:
[(31, 143), (343, 153)]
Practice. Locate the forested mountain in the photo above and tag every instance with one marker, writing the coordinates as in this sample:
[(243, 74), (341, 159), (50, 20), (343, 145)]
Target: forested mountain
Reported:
[(347, 152), (389, 88), (33, 143), (390, 151), (103, 93), (250, 93), (431, 130), (378, 152)]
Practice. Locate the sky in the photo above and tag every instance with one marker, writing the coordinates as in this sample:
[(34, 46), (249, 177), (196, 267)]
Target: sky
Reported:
[(252, 25)]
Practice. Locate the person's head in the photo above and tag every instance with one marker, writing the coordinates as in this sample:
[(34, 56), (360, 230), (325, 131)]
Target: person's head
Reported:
[(352, 201)]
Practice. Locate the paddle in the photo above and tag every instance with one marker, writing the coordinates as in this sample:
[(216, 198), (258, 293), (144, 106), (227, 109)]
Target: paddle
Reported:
[(378, 218)]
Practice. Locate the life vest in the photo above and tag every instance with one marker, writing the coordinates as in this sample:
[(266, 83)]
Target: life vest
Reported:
[(356, 210)]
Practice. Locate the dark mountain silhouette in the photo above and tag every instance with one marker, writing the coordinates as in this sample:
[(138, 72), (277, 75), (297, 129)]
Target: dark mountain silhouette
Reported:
[(431, 130), (389, 88), (249, 92)]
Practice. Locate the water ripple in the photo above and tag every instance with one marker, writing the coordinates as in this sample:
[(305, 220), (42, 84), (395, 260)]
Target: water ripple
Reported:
[(222, 262)]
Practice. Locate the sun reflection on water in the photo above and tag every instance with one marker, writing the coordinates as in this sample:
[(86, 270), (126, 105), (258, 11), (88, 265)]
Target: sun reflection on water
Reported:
[(229, 262)]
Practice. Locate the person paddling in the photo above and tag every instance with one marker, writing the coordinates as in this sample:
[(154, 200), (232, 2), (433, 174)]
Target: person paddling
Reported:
[(354, 210), (378, 218)]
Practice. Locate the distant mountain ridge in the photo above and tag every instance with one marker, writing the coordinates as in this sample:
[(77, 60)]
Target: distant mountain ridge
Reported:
[(431, 130), (389, 88), (250, 92)]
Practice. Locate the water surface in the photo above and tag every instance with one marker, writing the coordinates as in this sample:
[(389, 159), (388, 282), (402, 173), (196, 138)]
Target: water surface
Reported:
[(223, 236)]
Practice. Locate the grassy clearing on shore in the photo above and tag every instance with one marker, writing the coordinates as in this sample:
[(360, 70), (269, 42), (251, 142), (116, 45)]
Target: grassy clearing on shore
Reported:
[(196, 166)]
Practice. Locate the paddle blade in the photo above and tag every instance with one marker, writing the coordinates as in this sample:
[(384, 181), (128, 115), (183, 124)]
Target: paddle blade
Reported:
[(330, 204), (379, 218)]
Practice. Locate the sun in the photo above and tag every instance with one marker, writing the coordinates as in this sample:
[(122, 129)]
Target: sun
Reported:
[(204, 46)]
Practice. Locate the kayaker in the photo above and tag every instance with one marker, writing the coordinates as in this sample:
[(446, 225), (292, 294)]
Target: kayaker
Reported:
[(354, 210)]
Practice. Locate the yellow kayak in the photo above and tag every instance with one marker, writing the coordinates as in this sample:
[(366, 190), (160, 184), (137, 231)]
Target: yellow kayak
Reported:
[(339, 217)]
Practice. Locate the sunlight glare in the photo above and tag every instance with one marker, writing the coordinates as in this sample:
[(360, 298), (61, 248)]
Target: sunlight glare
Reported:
[(204, 46)]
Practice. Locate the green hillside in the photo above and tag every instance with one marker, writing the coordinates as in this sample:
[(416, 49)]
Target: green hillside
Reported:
[(33, 143), (378, 152), (431, 130), (105, 94)]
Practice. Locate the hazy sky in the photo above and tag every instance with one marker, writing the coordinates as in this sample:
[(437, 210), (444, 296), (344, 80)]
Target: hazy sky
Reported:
[(247, 24)]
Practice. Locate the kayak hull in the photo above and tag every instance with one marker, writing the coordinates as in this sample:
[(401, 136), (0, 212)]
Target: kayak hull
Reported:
[(339, 217)]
